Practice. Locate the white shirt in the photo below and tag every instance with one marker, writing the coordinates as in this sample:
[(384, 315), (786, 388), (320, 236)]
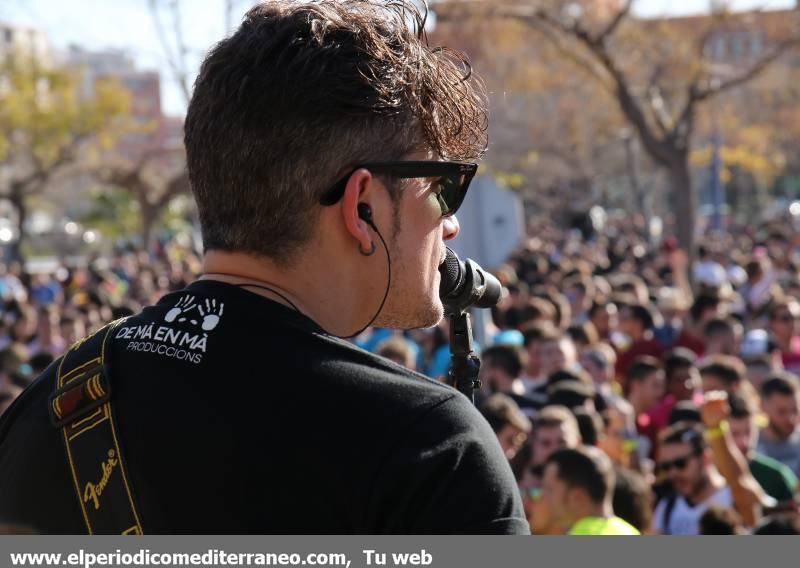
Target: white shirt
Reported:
[(685, 520)]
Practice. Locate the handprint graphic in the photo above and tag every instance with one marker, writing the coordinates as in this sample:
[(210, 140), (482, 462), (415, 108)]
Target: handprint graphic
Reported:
[(184, 305), (210, 313)]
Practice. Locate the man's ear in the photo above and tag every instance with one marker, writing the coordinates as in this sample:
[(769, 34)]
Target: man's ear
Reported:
[(358, 193)]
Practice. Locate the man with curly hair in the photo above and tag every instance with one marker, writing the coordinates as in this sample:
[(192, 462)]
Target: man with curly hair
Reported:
[(328, 148)]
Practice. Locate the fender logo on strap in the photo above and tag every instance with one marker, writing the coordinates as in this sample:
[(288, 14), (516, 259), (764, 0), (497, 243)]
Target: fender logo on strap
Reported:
[(81, 408), (92, 492)]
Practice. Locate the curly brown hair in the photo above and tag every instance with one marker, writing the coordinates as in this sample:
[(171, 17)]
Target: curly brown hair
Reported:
[(302, 92)]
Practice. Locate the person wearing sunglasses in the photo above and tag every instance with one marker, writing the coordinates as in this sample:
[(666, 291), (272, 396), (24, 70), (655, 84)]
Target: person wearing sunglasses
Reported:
[(685, 461), (704, 467), (329, 148)]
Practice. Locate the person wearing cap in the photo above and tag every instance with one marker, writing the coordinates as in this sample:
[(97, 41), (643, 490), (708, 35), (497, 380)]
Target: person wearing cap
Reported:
[(761, 354), (707, 272), (578, 484), (673, 306)]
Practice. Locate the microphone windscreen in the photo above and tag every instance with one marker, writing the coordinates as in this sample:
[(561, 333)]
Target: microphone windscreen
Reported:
[(451, 273)]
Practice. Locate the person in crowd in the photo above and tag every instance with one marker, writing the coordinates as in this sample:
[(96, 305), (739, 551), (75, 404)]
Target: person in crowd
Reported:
[(603, 315), (578, 485), (780, 439), (775, 478), (633, 499), (501, 369), (509, 423), (718, 520), (399, 350), (598, 361), (723, 372), (326, 192), (645, 383), (702, 473), (783, 319), (637, 323), (722, 337)]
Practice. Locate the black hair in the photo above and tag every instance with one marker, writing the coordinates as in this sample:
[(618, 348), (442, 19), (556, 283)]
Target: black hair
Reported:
[(586, 468), (779, 383), (633, 499), (509, 358)]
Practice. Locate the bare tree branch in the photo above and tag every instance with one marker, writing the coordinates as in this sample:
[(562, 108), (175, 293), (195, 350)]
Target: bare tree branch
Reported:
[(615, 22), (627, 101), (176, 60), (705, 93), (177, 185), (42, 173), (557, 41), (661, 115)]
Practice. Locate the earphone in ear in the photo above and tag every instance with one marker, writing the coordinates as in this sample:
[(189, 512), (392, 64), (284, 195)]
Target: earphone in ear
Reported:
[(365, 213)]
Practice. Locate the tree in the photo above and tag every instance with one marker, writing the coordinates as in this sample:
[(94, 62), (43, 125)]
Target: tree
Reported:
[(155, 179), (46, 126), (658, 72)]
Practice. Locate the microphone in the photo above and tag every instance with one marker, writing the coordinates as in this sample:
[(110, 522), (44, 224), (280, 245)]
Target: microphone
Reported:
[(466, 284)]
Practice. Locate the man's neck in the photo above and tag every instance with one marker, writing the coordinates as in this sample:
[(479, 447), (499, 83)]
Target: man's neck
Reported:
[(773, 435), (785, 344), (709, 485), (309, 287), (596, 511), (638, 407)]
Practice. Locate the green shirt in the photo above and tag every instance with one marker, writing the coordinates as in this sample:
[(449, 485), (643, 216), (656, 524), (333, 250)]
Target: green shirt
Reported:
[(601, 526), (776, 479)]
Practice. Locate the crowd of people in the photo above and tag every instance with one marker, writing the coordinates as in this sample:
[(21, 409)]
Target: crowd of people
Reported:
[(43, 313), (632, 391), (636, 392)]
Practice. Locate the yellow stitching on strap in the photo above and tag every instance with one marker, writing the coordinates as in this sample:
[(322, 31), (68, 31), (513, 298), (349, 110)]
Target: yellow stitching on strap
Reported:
[(133, 530), (105, 416), (116, 444), (99, 386), (72, 375), (85, 419), (93, 386)]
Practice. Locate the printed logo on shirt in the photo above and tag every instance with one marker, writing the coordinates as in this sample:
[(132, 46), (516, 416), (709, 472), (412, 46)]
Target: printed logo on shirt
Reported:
[(207, 316), (169, 341)]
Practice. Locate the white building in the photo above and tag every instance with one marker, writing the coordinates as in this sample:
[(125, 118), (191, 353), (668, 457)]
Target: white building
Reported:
[(24, 42)]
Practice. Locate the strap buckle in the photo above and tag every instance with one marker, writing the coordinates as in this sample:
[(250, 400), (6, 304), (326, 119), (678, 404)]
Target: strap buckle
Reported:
[(79, 396)]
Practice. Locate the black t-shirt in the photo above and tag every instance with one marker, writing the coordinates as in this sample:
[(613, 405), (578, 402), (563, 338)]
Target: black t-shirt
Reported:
[(238, 415)]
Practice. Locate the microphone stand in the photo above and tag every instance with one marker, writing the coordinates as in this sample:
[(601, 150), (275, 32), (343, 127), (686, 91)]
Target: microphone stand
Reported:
[(465, 365)]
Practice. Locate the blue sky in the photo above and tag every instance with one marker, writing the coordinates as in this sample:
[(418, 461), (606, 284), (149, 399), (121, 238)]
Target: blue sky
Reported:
[(127, 24)]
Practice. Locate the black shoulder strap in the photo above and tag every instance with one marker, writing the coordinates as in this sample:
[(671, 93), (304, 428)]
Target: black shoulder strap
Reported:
[(81, 408), (672, 499)]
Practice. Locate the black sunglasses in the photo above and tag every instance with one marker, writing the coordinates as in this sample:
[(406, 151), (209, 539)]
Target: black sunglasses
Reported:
[(452, 180), (679, 463)]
